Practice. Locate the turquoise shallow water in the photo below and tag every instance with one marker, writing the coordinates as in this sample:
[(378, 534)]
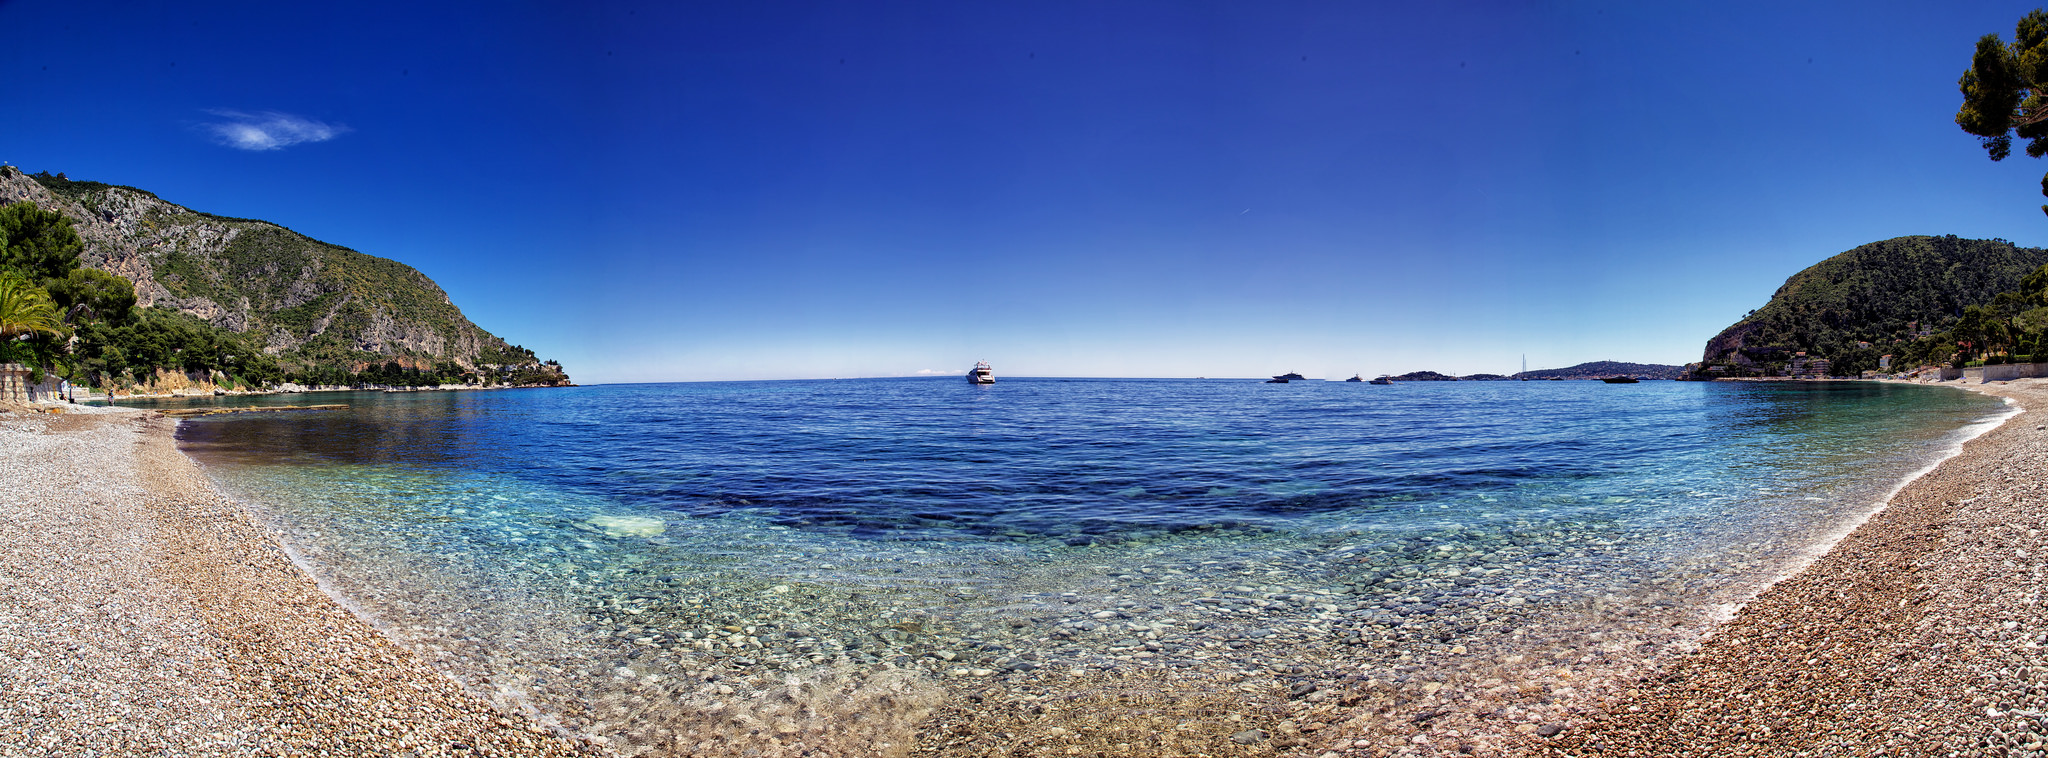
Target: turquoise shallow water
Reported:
[(724, 535)]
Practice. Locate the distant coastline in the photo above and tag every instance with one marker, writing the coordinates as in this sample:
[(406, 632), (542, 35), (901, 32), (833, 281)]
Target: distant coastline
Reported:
[(1591, 370), (295, 390)]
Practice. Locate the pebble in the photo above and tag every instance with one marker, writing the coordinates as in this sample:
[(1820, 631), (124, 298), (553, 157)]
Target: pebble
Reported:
[(146, 614), (1882, 645), (1371, 634)]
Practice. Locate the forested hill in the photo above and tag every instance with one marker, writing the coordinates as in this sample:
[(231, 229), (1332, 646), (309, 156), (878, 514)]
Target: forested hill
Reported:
[(1604, 369), (1879, 293), (309, 304)]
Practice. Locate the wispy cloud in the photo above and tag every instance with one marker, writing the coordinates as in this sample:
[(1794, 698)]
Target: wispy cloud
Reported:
[(934, 372), (267, 130)]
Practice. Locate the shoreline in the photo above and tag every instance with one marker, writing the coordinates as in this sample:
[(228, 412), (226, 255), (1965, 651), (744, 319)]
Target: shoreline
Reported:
[(1918, 632), (142, 612), (103, 398), (1827, 545), (1295, 690), (1608, 727)]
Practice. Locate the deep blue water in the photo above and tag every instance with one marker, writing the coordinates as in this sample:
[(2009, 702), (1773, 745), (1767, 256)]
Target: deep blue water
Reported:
[(1098, 459), (822, 518)]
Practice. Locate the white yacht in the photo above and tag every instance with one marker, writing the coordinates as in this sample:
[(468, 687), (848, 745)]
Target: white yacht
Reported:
[(981, 374)]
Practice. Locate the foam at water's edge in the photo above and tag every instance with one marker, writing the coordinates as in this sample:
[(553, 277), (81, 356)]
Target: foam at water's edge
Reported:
[(265, 520), (1411, 616), (1724, 612)]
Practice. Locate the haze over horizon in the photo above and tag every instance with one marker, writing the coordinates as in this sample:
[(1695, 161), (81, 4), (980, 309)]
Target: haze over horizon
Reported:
[(649, 192)]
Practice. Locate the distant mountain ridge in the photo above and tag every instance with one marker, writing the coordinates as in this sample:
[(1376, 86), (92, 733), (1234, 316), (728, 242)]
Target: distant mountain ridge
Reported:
[(1594, 370), (306, 301), (1604, 369), (1880, 293)]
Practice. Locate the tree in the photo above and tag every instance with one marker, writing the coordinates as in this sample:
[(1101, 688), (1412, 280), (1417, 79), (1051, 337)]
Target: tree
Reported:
[(89, 293), (1853, 362), (36, 243), (2005, 91), (2034, 287), (1976, 329), (28, 321)]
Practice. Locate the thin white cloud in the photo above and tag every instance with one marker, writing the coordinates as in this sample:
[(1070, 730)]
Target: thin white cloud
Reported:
[(935, 372), (267, 130)]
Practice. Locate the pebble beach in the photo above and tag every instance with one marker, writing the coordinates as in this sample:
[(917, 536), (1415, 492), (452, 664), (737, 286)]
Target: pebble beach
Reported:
[(1919, 634), (143, 612)]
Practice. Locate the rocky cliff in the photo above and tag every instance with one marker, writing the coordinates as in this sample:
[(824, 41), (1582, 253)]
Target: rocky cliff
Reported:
[(307, 301)]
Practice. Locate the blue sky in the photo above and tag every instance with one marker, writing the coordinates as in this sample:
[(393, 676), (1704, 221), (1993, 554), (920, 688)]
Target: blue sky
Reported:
[(758, 190)]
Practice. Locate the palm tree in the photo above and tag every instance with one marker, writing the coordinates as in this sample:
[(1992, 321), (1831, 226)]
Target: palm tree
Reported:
[(25, 311)]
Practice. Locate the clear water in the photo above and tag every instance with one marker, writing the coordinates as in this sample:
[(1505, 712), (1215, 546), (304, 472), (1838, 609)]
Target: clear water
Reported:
[(656, 563)]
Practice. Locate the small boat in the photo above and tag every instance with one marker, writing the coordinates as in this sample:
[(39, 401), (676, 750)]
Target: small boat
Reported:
[(1384, 379), (1619, 380), (1287, 377), (1355, 378), (981, 374)]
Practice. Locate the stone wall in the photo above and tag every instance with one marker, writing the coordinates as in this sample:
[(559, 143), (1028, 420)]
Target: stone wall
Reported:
[(2007, 372), (13, 384), (50, 389)]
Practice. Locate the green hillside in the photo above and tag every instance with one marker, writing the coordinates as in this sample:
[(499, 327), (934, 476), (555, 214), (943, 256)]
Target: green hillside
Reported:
[(1882, 293), (317, 312), (1603, 369)]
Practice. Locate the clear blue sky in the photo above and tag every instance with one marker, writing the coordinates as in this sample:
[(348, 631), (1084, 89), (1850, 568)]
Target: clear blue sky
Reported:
[(759, 190)]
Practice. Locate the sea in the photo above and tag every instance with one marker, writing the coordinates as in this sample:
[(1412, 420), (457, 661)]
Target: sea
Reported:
[(885, 566)]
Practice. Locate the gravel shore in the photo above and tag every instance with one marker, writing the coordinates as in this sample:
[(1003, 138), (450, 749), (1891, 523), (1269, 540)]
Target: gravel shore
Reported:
[(1920, 634), (141, 613)]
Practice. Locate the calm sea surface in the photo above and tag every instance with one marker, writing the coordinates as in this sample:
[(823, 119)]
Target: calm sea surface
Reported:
[(552, 544)]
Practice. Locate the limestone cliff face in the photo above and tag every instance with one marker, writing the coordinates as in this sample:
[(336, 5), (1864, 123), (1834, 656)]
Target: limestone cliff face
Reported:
[(1731, 345), (299, 295)]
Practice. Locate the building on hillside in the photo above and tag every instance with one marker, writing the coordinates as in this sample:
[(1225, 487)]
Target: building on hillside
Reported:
[(1884, 363), (1803, 367)]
